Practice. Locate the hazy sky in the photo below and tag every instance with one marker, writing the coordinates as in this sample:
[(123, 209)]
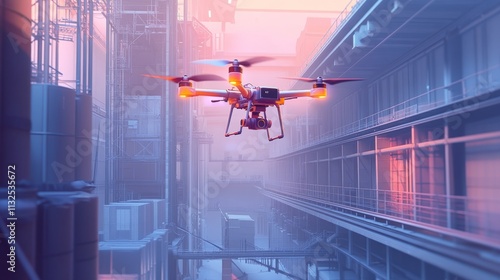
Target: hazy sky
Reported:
[(272, 27), (269, 28)]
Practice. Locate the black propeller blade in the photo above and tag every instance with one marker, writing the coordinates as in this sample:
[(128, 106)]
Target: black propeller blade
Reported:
[(330, 81), (195, 78), (223, 62)]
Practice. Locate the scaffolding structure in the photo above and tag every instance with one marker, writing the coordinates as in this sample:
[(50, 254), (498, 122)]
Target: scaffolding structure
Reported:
[(136, 113), (56, 21), (152, 140)]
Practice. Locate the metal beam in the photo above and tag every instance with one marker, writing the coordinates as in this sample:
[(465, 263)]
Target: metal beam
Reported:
[(242, 254), (466, 260)]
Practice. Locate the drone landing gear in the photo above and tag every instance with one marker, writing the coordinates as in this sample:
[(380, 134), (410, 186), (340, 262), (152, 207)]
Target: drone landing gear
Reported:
[(229, 121), (255, 122), (281, 126)]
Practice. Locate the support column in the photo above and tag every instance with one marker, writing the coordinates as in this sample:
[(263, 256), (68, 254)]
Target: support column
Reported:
[(84, 57), (227, 270), (388, 262), (91, 46), (46, 42), (368, 258), (108, 128), (342, 185), (413, 170), (168, 102), (79, 45), (349, 247), (376, 174), (358, 164), (422, 270), (341, 266), (448, 166)]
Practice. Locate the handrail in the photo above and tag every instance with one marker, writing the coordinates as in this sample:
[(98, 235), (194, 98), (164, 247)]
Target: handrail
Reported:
[(445, 214), (431, 99)]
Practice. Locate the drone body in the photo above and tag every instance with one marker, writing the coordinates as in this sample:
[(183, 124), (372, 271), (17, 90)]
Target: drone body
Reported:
[(254, 100)]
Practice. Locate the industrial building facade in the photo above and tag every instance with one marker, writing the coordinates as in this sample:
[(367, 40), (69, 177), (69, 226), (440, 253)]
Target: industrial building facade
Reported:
[(400, 169)]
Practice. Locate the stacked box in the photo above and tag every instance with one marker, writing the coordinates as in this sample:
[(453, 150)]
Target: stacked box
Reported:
[(127, 220), (159, 242), (159, 211), (130, 259), (240, 232), (139, 259)]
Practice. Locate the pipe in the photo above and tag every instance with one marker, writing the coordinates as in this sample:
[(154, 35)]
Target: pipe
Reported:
[(78, 45), (107, 129), (46, 43), (84, 54), (91, 44), (56, 35), (39, 39)]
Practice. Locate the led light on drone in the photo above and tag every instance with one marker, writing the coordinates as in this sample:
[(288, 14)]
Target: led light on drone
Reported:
[(318, 91), (186, 89), (235, 75)]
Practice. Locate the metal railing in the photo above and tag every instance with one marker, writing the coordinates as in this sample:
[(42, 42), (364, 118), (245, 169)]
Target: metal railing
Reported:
[(472, 88), (472, 216)]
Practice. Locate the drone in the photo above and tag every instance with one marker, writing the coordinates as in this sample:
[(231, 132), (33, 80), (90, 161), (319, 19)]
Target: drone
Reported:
[(254, 100)]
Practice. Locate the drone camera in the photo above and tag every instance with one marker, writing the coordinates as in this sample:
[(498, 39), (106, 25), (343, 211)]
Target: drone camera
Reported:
[(256, 123)]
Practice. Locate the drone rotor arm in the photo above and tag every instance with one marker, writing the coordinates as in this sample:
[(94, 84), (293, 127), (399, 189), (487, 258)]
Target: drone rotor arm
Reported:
[(216, 93), (289, 94)]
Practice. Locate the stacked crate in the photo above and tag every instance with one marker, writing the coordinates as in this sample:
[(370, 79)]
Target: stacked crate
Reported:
[(127, 220), (240, 232), (159, 211)]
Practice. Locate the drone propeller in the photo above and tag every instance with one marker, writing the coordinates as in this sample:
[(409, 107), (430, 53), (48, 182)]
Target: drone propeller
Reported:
[(195, 78), (222, 62), (330, 81)]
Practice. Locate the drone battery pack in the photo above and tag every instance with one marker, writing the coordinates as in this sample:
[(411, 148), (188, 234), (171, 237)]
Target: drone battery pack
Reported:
[(270, 94)]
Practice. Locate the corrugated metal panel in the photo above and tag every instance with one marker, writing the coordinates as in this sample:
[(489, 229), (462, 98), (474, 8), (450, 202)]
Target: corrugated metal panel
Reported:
[(83, 134), (53, 154)]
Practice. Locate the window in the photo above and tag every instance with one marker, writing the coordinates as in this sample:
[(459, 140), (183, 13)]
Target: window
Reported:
[(132, 124)]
